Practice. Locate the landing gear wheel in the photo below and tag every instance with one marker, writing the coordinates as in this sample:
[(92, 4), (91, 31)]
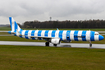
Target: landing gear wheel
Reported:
[(47, 44), (90, 44), (55, 45)]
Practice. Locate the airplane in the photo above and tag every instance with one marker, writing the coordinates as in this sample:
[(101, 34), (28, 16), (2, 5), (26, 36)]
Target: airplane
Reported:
[(54, 36)]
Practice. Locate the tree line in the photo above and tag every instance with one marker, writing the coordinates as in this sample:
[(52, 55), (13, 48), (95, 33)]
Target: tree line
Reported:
[(65, 24)]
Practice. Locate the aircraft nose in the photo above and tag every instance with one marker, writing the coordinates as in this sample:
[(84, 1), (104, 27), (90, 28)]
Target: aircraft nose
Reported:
[(101, 37)]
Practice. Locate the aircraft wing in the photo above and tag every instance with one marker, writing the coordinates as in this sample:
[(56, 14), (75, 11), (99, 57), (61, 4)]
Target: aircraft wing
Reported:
[(42, 37)]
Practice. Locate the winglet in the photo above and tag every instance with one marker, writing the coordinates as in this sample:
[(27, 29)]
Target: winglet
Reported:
[(57, 29)]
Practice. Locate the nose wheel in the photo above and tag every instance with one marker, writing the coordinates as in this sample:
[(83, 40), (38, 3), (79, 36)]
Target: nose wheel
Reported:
[(90, 44)]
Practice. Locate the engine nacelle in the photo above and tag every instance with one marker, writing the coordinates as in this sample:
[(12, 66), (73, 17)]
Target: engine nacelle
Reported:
[(55, 41)]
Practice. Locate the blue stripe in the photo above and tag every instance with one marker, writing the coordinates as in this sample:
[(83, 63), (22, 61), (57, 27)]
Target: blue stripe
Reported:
[(84, 35), (76, 35), (26, 34), (60, 34), (53, 33), (92, 36), (68, 35), (46, 33), (15, 26), (33, 34), (39, 32)]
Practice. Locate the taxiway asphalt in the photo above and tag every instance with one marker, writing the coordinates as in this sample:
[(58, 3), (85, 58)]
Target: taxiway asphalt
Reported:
[(75, 45)]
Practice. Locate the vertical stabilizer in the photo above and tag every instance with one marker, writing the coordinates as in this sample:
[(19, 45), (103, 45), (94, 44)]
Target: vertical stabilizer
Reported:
[(14, 26)]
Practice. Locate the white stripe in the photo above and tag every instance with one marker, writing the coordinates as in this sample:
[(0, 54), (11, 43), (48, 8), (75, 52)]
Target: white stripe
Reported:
[(72, 35), (88, 36), (17, 34), (43, 33), (64, 35), (36, 33), (18, 31), (29, 34), (13, 20), (57, 34), (23, 33), (13, 27), (96, 37), (18, 28), (79, 34), (49, 33)]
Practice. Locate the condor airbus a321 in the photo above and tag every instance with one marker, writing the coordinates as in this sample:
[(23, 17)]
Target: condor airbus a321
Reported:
[(54, 36)]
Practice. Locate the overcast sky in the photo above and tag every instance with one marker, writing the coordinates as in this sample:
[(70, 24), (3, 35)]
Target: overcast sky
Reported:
[(42, 10)]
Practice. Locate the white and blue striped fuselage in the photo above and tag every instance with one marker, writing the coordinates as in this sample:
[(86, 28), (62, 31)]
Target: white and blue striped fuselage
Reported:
[(54, 36), (69, 35)]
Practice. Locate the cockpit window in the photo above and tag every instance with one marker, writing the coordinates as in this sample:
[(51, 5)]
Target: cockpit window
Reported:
[(96, 33)]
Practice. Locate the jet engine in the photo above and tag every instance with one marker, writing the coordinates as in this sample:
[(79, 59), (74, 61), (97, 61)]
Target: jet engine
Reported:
[(55, 41)]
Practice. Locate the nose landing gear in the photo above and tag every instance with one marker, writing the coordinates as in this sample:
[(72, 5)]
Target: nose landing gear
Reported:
[(90, 44)]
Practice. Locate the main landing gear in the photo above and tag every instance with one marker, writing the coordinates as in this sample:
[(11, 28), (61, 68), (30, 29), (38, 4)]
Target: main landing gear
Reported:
[(90, 44), (47, 44), (55, 45)]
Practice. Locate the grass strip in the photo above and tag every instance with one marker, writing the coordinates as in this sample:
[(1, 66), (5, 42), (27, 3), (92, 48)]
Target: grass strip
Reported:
[(50, 58)]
